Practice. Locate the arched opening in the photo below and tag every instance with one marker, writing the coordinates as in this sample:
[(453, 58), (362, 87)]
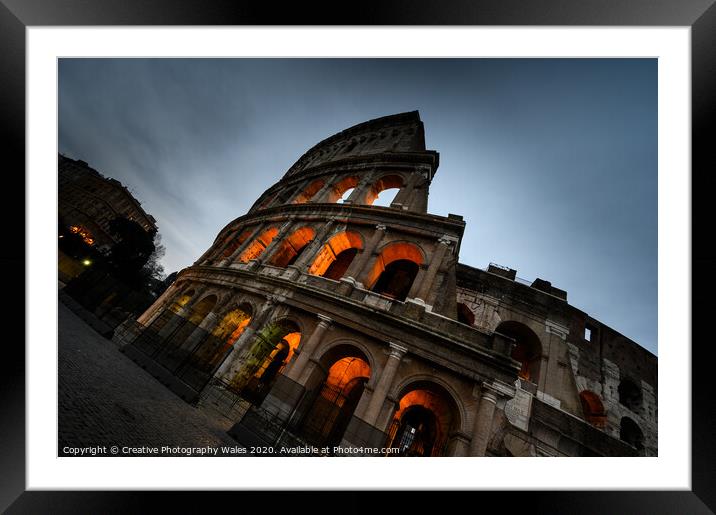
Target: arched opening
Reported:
[(339, 192), (423, 422), (211, 352), (256, 247), (291, 247), (593, 409), (465, 314), (336, 255), (328, 407), (201, 309), (271, 351), (236, 243), (308, 193), (528, 350), (630, 394), (182, 301), (395, 270), (384, 191), (630, 433)]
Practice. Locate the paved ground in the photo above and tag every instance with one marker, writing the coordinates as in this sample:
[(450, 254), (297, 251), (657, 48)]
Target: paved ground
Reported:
[(106, 400)]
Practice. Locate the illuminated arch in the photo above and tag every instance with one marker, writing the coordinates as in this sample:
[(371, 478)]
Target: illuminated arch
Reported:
[(335, 390), (528, 350), (258, 245), (426, 416), (308, 193), (341, 187), (236, 243), (395, 269), (291, 247), (593, 409), (387, 182), (201, 309), (336, 255)]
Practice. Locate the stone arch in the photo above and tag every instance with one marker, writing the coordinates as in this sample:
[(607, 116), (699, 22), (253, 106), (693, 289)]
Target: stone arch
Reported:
[(366, 352), (630, 394), (309, 191), (334, 390), (201, 308), (339, 189), (236, 242), (465, 314), (528, 348), (292, 246), (425, 420), (593, 408), (265, 358), (631, 433), (386, 182), (336, 255), (258, 245), (182, 299), (395, 269)]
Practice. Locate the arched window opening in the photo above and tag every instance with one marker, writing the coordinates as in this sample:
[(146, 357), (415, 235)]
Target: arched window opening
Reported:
[(423, 422), (384, 190), (182, 301), (465, 314), (308, 193), (336, 255), (395, 281), (630, 394), (593, 409), (528, 350), (236, 243), (291, 248), (201, 309), (630, 433), (345, 196), (256, 247), (340, 190), (333, 402), (397, 278), (272, 349)]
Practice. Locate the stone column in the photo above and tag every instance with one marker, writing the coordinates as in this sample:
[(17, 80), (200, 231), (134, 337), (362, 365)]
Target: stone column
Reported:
[(385, 382), (357, 267), (308, 254), (237, 252), (216, 254), (423, 288), (357, 196), (210, 321), (174, 322), (483, 421), (231, 364), (321, 195), (306, 350)]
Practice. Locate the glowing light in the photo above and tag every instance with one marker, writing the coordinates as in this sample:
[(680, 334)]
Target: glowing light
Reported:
[(86, 262)]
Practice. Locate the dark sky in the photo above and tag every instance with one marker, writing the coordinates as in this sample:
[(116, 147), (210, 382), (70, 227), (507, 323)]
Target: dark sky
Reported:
[(552, 162)]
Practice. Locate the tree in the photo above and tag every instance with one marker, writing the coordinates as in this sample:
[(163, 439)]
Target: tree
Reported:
[(130, 254)]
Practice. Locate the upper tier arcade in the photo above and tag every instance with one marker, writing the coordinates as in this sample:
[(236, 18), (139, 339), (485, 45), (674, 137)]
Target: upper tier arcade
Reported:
[(356, 165)]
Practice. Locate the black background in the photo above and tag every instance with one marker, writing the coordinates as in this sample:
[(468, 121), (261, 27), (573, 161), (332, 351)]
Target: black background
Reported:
[(700, 15)]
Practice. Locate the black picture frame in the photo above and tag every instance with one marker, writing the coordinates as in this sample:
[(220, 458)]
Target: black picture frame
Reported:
[(700, 15)]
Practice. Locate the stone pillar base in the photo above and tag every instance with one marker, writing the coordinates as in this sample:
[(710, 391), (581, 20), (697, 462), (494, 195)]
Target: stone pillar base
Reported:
[(361, 438)]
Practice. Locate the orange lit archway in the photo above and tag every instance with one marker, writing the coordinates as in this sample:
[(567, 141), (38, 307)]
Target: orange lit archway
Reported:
[(308, 193), (394, 270), (593, 408), (236, 243), (387, 182), (256, 247), (338, 189), (336, 255), (291, 247)]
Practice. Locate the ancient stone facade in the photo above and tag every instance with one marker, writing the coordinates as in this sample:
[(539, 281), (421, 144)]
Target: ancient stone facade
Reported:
[(321, 319), (88, 202)]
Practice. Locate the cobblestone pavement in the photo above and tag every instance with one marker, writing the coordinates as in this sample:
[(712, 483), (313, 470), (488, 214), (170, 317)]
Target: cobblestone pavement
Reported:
[(105, 399)]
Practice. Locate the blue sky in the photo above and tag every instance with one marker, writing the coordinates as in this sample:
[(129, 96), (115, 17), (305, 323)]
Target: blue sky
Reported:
[(552, 162)]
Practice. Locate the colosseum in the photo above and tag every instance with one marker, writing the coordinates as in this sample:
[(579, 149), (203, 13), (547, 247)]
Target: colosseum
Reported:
[(321, 320)]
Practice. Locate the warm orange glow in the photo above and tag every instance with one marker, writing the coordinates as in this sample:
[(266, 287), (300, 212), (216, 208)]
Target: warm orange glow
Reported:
[(259, 244), (293, 339), (337, 244), (341, 187), (345, 370), (292, 246), (182, 301), (232, 325), (82, 231), (201, 309), (237, 242), (436, 403), (593, 408), (309, 192), (391, 253), (384, 183)]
